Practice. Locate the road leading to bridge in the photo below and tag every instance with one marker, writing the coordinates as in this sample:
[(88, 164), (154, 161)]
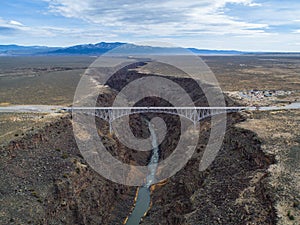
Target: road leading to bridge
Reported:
[(31, 109), (57, 108)]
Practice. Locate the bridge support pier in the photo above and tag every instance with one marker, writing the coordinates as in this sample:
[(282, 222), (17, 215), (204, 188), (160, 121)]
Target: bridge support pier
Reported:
[(110, 127), (110, 120), (195, 124)]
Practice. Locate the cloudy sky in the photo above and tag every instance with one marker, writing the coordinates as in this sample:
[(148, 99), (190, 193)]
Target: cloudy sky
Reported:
[(255, 25)]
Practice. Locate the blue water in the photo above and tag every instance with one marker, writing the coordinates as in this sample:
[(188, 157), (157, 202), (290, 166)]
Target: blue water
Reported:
[(141, 207), (143, 199)]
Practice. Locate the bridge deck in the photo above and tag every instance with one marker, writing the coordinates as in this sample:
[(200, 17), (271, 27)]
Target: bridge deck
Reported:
[(159, 108)]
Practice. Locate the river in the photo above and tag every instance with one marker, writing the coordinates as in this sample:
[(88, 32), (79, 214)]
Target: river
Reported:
[(143, 201)]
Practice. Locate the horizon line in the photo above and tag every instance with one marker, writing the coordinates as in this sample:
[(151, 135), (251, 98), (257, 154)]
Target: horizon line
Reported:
[(189, 48)]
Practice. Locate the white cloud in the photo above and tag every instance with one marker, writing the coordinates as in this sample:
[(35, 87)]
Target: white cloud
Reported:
[(15, 23), (157, 18), (222, 24), (8, 24), (16, 26), (12, 31), (11, 27)]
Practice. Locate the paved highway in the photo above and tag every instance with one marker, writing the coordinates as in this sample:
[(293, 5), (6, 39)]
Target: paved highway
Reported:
[(57, 108)]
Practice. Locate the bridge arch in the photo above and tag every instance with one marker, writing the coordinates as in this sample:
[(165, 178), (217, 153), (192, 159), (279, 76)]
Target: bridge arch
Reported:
[(194, 114)]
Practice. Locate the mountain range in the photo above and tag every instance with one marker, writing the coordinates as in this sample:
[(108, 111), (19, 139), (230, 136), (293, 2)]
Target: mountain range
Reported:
[(24, 50), (104, 47)]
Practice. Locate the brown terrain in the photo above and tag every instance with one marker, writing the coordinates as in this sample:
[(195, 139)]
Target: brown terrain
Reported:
[(279, 132), (253, 180)]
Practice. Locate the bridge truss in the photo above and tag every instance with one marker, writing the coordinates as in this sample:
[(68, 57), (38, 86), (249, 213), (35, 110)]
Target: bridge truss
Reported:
[(194, 114)]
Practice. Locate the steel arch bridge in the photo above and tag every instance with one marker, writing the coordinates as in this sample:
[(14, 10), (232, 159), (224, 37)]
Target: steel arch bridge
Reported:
[(194, 114)]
